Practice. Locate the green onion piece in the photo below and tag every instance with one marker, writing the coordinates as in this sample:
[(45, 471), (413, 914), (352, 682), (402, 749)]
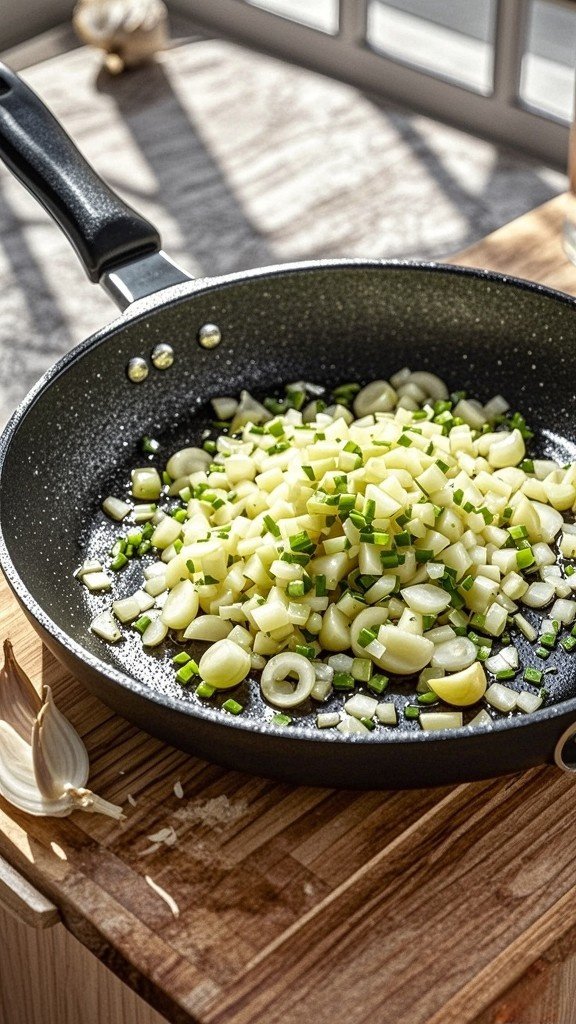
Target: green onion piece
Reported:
[(569, 570), (232, 706), (210, 447), (524, 558), (458, 496), (405, 441), (185, 494), (320, 585), (533, 675), (343, 681), (467, 583), (149, 445), (143, 548), (518, 532), (569, 643), (277, 429), (541, 652), (346, 503), (378, 683), (204, 690), (506, 673), (391, 559), (181, 659), (307, 651), (411, 711), (351, 447), (301, 542), (180, 515), (428, 621), (366, 636), (184, 674), (442, 465), (423, 555), (358, 519), (295, 588), (487, 515), (134, 538), (427, 698), (142, 623), (368, 723), (295, 558), (369, 510), (271, 526), (527, 465), (309, 472), (403, 539), (483, 653), (118, 562), (166, 478), (549, 640), (281, 720)]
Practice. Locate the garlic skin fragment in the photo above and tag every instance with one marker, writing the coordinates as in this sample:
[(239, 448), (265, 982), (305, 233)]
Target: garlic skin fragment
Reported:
[(44, 764)]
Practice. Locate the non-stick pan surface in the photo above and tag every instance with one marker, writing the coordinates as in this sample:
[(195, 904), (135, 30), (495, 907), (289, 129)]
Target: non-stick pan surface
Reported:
[(76, 437)]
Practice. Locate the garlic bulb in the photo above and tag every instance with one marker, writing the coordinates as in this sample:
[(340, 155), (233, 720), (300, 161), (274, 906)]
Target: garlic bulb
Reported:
[(130, 31), (43, 762)]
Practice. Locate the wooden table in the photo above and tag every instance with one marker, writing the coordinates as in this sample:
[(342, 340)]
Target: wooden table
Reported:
[(452, 906)]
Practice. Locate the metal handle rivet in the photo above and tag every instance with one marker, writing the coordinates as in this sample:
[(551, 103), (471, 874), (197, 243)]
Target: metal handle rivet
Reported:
[(162, 356), (137, 370), (566, 766), (209, 336)]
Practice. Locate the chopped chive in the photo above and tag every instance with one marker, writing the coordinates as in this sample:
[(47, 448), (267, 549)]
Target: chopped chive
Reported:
[(306, 650), (411, 711), (524, 558), (427, 698), (232, 706), (549, 640), (281, 720), (424, 554), (204, 690), (343, 681), (368, 723), (184, 674), (149, 445), (378, 683), (301, 542), (271, 526), (142, 623), (181, 659), (366, 636), (295, 588), (533, 675)]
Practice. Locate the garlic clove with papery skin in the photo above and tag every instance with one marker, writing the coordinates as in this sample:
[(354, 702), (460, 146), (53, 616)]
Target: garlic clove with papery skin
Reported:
[(43, 772), (19, 702)]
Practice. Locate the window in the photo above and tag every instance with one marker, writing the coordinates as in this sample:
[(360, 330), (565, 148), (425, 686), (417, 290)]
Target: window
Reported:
[(503, 69)]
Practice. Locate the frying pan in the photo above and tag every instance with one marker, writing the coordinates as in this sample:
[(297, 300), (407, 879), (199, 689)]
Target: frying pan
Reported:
[(75, 438)]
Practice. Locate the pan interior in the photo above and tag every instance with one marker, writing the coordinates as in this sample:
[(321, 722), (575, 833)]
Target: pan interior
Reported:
[(80, 437)]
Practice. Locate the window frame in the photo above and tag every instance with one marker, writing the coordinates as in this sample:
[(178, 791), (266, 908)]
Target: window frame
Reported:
[(347, 56)]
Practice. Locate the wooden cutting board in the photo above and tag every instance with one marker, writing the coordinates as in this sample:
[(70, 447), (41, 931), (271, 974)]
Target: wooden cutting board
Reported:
[(424, 907)]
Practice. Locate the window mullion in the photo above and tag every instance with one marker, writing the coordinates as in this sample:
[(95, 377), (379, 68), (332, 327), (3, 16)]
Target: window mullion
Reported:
[(509, 41), (352, 21)]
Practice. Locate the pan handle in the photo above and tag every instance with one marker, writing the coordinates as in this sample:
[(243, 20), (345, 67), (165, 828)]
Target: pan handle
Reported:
[(116, 246)]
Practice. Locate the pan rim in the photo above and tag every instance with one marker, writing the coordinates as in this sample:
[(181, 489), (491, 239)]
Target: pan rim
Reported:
[(171, 296)]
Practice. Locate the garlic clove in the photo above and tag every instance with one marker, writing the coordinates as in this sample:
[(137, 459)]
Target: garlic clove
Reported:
[(19, 702), (59, 756), (17, 779)]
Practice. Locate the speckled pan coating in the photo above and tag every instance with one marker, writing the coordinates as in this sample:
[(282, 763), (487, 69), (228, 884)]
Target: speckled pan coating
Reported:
[(74, 438)]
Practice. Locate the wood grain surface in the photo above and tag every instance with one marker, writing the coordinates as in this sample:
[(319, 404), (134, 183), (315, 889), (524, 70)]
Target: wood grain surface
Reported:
[(444, 906)]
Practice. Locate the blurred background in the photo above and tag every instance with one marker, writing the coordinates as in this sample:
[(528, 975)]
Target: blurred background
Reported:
[(275, 130)]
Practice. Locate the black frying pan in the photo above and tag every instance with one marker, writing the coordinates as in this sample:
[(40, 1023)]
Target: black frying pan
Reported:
[(76, 436)]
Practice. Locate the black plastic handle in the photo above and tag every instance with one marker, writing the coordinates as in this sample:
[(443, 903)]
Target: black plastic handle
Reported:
[(104, 230)]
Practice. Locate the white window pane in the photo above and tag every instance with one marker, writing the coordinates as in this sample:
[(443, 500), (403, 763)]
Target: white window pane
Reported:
[(451, 39), (320, 14), (547, 78)]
